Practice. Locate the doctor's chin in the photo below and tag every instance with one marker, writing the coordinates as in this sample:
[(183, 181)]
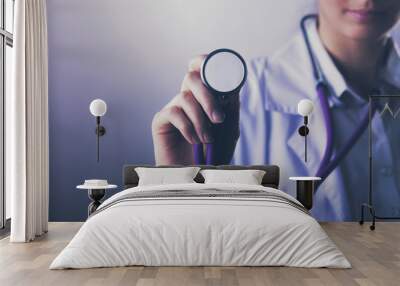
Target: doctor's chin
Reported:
[(323, 106)]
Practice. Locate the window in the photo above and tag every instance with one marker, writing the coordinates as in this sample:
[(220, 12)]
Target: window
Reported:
[(6, 60)]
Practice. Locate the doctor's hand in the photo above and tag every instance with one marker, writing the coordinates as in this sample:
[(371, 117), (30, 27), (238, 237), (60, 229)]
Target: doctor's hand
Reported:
[(195, 116)]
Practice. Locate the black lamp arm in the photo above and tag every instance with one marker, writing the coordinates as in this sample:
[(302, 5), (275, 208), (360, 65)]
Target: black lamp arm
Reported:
[(100, 131), (303, 131)]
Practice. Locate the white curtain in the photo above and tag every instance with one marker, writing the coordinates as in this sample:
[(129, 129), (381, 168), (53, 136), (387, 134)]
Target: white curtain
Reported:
[(27, 123)]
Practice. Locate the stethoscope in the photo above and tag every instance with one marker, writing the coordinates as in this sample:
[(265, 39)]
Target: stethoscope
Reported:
[(223, 72), (329, 161)]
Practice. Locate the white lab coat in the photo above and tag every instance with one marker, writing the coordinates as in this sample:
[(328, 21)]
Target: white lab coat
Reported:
[(269, 122)]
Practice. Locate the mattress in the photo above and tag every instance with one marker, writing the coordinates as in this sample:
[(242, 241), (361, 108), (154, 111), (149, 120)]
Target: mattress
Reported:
[(201, 225)]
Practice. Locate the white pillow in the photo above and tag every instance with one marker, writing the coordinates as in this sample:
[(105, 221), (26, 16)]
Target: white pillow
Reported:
[(162, 176), (248, 177)]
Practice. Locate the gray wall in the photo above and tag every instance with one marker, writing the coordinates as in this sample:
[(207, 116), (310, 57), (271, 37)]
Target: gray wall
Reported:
[(133, 54)]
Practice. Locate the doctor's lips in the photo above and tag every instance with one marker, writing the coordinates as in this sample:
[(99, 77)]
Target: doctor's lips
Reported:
[(365, 15)]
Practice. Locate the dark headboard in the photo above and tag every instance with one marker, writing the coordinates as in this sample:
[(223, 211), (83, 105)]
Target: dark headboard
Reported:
[(271, 177)]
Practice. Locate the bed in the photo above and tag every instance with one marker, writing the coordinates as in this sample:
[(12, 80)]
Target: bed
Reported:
[(197, 224)]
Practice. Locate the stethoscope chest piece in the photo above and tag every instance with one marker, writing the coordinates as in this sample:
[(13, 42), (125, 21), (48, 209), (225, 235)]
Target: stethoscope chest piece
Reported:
[(224, 72)]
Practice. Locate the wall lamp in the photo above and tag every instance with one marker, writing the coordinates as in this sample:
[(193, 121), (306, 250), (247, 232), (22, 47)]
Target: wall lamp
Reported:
[(305, 108), (98, 108)]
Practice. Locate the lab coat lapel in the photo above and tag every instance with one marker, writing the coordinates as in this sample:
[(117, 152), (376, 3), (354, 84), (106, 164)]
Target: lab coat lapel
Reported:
[(391, 73)]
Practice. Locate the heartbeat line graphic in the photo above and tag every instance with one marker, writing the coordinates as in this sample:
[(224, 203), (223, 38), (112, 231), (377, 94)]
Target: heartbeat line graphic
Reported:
[(389, 110)]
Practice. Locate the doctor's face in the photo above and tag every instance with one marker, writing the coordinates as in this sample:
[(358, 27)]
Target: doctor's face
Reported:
[(360, 19)]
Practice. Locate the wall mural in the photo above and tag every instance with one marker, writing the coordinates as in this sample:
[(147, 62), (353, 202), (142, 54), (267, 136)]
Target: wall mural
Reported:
[(170, 100)]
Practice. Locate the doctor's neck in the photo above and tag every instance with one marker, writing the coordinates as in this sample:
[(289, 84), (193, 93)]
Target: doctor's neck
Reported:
[(357, 59)]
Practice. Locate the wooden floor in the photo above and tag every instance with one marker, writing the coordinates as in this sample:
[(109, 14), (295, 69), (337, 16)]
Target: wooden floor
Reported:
[(375, 257)]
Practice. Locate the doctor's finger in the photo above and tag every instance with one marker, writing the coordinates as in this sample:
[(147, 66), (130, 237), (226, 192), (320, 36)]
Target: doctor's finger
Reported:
[(196, 115), (192, 82), (196, 62), (175, 116)]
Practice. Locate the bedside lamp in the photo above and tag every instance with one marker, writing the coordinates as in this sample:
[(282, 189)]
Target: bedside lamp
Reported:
[(305, 107), (98, 108)]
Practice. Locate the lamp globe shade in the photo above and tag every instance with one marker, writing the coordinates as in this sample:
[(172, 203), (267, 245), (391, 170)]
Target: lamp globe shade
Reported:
[(305, 107), (98, 107)]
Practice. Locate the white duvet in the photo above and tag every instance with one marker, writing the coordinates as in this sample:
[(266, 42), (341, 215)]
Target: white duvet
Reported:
[(200, 231)]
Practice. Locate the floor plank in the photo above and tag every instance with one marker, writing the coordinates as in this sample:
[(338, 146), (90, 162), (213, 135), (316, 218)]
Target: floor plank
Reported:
[(375, 257)]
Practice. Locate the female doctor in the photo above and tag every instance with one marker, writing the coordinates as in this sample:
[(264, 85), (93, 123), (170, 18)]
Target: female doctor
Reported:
[(356, 58)]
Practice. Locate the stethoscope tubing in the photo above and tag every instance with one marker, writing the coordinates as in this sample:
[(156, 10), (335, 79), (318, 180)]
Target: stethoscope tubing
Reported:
[(328, 164), (325, 172), (315, 69), (322, 92), (198, 153)]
